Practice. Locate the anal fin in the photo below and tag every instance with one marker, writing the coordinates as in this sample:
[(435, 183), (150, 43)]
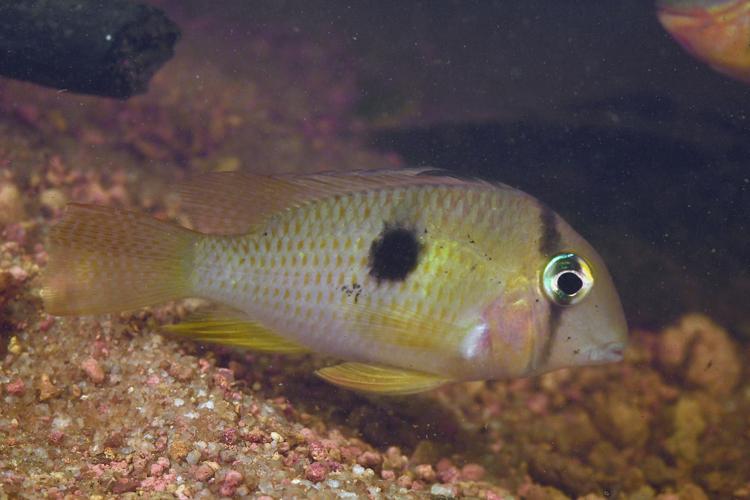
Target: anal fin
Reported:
[(240, 333), (380, 379)]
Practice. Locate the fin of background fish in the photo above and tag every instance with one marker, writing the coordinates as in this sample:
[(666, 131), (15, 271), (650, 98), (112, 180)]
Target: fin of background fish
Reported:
[(238, 203), (105, 259), (379, 379), (217, 327)]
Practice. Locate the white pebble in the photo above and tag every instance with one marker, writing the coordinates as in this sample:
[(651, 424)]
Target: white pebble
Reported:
[(60, 422), (441, 491), (358, 470), (179, 402), (193, 457)]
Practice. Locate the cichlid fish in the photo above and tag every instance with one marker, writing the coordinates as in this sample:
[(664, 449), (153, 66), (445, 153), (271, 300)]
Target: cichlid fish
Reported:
[(714, 31), (411, 277)]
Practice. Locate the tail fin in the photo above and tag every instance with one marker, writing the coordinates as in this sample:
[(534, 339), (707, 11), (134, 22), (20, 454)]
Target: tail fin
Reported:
[(106, 260)]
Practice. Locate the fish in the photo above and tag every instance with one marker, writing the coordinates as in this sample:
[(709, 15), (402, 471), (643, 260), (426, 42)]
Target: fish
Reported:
[(411, 278), (716, 32)]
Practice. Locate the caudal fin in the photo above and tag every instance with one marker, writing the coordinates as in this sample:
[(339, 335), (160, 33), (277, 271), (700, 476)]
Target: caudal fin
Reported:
[(107, 260)]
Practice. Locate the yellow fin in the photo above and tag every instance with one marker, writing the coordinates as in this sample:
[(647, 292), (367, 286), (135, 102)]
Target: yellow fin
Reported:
[(104, 259), (236, 333), (237, 202), (380, 379)]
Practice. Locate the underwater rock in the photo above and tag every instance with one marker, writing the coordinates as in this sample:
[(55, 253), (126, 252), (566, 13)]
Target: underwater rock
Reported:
[(11, 204), (47, 390), (689, 424), (93, 370), (702, 352), (657, 472), (16, 387), (621, 420), (561, 471), (6, 280), (103, 48), (692, 491), (536, 492), (53, 200)]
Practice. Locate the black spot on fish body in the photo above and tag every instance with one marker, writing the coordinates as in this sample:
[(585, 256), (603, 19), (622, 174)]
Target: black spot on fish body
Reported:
[(394, 254)]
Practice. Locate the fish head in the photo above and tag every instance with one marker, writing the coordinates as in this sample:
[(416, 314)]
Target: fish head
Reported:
[(559, 309), (713, 31), (579, 319)]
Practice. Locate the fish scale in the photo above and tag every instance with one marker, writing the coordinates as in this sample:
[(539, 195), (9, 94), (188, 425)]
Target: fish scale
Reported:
[(336, 234)]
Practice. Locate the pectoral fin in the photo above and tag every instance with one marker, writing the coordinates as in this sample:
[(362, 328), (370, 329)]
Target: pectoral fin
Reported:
[(379, 379), (234, 332)]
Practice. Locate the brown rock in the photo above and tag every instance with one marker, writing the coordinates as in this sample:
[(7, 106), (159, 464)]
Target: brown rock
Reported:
[(203, 473), (425, 452), (124, 485), (316, 472), (369, 459), (537, 492), (394, 459), (6, 280), (425, 472), (181, 372), (93, 370), (692, 491), (15, 387), (621, 420), (472, 472), (565, 472), (702, 352), (53, 200), (55, 437), (178, 449), (689, 425), (223, 377), (47, 389), (11, 204)]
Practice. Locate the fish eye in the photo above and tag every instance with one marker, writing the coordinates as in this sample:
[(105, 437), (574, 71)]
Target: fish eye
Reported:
[(567, 279)]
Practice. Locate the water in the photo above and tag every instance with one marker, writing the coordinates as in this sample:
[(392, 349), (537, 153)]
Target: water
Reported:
[(588, 105)]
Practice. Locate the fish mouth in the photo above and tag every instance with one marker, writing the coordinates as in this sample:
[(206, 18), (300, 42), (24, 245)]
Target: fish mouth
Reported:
[(610, 352)]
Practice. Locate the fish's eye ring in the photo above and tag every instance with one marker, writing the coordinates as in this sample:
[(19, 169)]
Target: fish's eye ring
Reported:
[(567, 279)]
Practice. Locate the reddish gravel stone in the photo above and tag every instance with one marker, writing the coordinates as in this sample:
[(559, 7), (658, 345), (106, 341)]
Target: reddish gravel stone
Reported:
[(316, 472), (16, 387), (203, 473), (472, 472), (93, 370)]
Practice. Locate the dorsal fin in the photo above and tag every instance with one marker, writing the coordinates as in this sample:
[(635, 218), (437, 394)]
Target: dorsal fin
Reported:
[(237, 202)]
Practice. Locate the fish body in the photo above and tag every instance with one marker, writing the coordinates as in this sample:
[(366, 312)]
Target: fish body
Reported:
[(714, 31), (414, 280)]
